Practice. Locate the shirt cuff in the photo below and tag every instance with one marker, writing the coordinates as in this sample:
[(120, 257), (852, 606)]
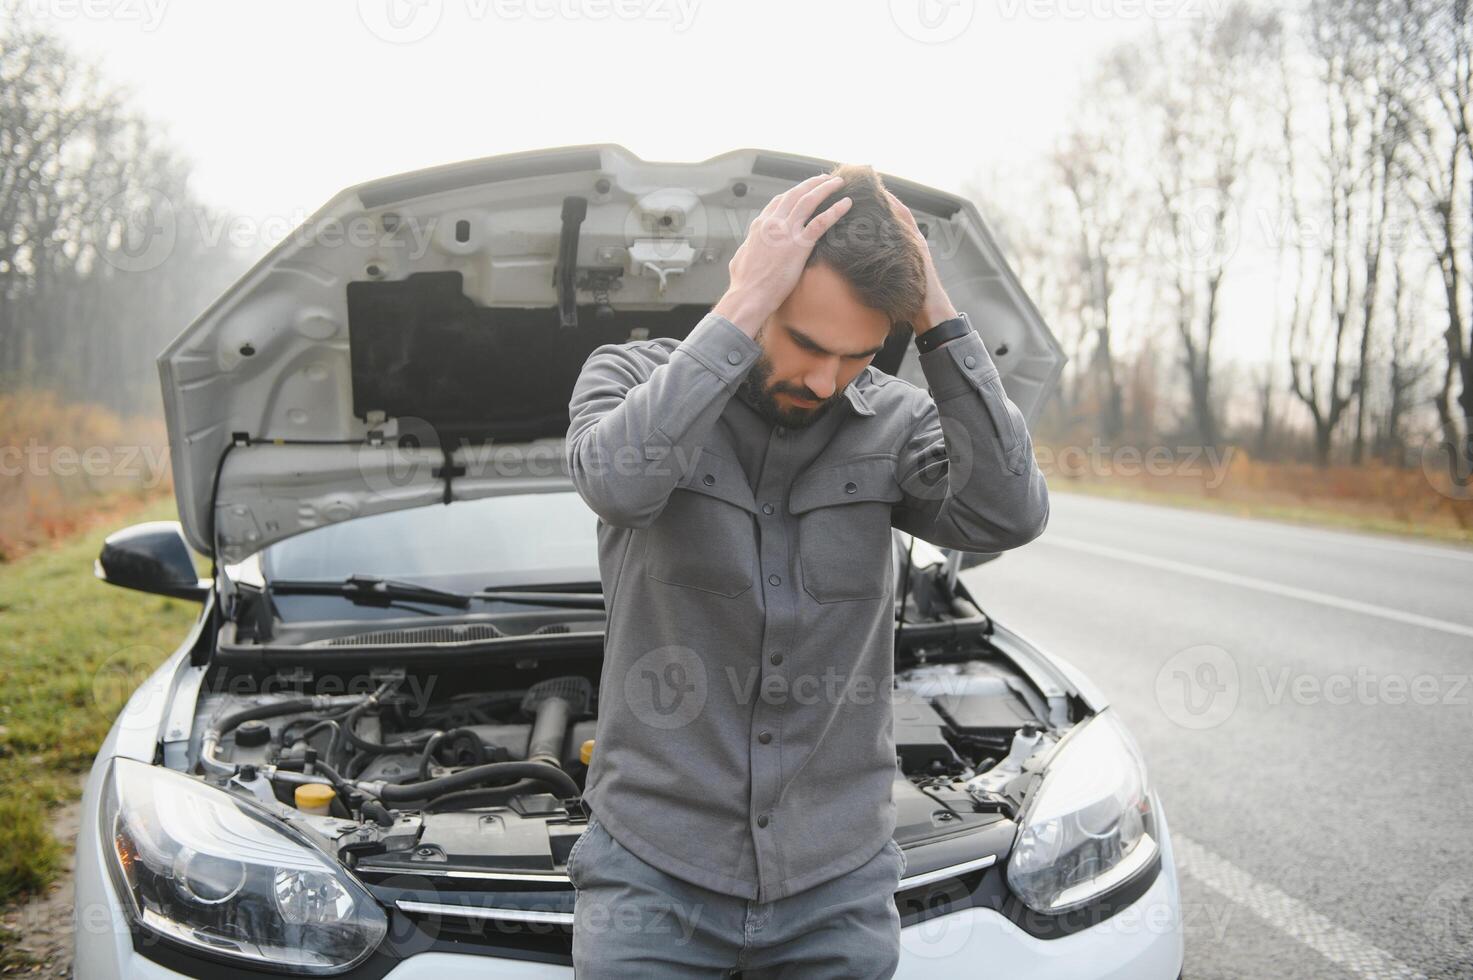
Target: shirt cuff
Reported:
[(721, 346), (961, 364)]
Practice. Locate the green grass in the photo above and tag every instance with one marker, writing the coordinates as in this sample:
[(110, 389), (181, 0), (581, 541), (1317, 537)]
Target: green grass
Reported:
[(1305, 514), (71, 650)]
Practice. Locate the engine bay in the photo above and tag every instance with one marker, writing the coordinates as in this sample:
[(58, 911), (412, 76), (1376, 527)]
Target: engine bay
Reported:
[(477, 770)]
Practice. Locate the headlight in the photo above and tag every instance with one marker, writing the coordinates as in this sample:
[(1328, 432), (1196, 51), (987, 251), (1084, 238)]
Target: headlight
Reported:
[(1088, 827), (217, 873)]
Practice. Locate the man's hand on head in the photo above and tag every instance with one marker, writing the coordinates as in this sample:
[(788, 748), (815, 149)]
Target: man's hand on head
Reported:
[(937, 307), (770, 260)]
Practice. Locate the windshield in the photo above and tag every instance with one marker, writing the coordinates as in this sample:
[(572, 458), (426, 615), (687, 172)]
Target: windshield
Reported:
[(517, 539)]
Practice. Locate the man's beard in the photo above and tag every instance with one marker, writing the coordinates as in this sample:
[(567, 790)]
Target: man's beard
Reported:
[(752, 389)]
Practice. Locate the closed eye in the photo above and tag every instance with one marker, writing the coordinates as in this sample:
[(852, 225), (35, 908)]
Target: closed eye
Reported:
[(808, 345)]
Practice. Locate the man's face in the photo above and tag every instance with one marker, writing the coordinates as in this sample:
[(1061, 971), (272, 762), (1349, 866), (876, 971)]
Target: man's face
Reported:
[(812, 347)]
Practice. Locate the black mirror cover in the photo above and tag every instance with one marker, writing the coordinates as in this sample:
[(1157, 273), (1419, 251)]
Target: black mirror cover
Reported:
[(151, 557)]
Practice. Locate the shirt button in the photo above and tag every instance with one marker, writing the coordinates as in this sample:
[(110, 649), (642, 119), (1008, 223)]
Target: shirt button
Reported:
[(708, 479), (970, 361), (733, 357), (850, 487), (765, 737), (775, 659), (767, 508), (774, 580), (762, 820)]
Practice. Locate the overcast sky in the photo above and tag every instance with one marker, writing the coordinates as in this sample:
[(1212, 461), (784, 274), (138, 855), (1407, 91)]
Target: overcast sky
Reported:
[(281, 103)]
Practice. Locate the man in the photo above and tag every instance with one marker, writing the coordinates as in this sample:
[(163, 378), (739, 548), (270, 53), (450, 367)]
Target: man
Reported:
[(746, 480)]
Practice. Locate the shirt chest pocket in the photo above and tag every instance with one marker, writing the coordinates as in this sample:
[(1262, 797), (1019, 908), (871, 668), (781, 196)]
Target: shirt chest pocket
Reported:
[(706, 537), (844, 533)]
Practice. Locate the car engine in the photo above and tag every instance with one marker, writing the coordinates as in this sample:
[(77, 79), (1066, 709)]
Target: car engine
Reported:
[(399, 778)]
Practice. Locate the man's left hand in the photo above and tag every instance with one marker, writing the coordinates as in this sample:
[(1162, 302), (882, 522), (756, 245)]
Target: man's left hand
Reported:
[(937, 306)]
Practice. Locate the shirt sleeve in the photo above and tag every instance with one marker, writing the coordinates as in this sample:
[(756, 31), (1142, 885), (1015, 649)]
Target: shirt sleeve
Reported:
[(967, 470), (633, 431)]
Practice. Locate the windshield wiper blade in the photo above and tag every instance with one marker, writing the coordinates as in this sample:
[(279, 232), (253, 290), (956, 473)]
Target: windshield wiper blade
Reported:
[(375, 591), (372, 590), (570, 597)]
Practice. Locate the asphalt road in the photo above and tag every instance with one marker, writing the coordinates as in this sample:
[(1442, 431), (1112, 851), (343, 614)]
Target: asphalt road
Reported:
[(1304, 699)]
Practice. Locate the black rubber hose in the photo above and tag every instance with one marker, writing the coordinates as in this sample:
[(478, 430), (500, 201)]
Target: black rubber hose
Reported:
[(340, 784), (484, 796), (231, 722), (428, 755), (359, 742), (477, 775)]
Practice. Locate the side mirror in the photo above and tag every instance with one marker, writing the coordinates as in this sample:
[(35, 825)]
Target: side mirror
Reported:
[(151, 557)]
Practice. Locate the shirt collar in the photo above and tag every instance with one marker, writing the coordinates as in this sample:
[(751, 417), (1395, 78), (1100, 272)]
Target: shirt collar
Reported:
[(856, 397)]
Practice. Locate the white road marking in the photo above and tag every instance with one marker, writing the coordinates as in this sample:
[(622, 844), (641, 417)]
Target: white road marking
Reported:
[(1289, 915), (1260, 585)]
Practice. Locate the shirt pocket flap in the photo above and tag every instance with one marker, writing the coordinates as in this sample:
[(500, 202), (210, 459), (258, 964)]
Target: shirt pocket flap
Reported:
[(865, 478), (719, 477)]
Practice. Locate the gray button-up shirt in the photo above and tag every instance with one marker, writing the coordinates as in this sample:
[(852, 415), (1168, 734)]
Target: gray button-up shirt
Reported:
[(744, 738)]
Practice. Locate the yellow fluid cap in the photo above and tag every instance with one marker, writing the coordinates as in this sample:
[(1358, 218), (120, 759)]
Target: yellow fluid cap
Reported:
[(585, 752), (314, 797)]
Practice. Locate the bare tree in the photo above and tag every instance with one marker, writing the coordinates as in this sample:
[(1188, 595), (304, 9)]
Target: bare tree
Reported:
[(1352, 174), (83, 306), (1094, 167), (1200, 108), (1434, 39), (1410, 365)]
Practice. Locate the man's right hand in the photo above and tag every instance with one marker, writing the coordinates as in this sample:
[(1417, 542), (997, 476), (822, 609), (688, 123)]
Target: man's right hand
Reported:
[(769, 262)]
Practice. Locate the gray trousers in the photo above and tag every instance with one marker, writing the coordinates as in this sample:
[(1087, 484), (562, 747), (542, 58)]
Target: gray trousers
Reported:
[(633, 920)]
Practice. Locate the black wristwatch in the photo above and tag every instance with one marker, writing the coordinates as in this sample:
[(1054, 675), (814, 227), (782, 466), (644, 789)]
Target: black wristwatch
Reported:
[(946, 330)]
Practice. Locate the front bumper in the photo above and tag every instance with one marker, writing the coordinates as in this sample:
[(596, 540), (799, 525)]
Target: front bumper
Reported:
[(1144, 941)]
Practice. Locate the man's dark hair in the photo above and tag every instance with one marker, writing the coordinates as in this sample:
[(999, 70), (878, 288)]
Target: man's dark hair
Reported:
[(870, 250)]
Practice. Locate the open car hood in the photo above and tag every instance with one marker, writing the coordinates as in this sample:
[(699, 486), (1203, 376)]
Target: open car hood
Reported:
[(418, 338)]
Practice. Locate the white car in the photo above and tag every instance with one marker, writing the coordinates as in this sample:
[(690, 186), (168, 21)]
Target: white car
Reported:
[(366, 758)]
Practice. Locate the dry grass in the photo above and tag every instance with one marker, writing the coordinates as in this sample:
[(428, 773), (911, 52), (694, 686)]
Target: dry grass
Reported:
[(66, 468), (1373, 497)]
